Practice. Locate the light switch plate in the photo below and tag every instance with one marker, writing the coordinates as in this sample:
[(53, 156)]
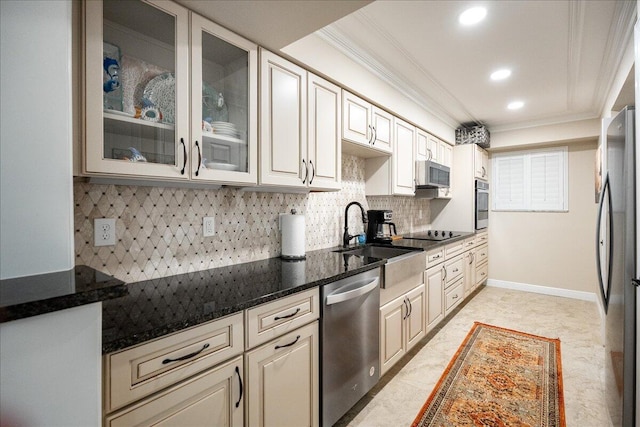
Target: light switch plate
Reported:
[(104, 231)]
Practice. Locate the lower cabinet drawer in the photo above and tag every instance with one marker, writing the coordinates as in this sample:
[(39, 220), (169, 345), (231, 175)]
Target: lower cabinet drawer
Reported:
[(454, 296), (482, 253), (453, 249), (482, 273), (136, 372), (212, 398), (453, 271), (435, 257), (268, 321)]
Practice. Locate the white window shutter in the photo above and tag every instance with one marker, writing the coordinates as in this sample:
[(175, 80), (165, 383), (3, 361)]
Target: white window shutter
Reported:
[(531, 180)]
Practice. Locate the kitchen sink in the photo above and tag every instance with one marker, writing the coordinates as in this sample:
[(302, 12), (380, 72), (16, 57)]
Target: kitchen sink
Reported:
[(381, 252), (403, 265)]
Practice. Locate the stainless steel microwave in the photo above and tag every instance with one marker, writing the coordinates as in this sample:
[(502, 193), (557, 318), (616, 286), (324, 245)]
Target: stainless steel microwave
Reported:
[(432, 175)]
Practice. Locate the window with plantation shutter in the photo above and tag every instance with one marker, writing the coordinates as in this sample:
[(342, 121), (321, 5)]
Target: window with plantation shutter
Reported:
[(531, 180)]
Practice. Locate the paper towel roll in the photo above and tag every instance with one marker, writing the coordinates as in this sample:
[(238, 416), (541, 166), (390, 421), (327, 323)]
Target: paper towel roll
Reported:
[(293, 239)]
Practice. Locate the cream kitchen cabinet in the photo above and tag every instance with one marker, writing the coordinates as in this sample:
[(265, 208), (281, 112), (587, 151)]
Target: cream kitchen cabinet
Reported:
[(283, 380), (170, 377), (439, 151), (481, 163), (283, 362), (366, 129), (324, 150), (403, 170), (434, 282), (213, 398), (300, 143), (433, 149), (394, 176), (141, 121), (482, 265), (402, 325), (469, 259)]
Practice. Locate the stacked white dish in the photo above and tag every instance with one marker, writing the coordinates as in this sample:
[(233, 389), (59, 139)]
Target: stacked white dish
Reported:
[(225, 128), (222, 166)]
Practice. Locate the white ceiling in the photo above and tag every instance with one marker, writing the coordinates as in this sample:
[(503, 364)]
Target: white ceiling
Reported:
[(565, 55)]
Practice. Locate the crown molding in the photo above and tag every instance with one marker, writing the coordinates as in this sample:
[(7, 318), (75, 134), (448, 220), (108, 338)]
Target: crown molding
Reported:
[(347, 46), (620, 35), (544, 121)]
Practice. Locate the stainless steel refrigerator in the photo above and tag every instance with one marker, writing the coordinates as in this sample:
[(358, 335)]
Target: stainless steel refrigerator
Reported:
[(616, 265)]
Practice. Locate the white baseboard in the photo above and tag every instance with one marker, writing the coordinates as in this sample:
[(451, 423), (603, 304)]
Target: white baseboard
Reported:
[(546, 290)]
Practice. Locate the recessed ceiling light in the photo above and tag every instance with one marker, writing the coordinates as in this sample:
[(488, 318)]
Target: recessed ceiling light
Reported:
[(515, 105), (472, 16), (501, 74)]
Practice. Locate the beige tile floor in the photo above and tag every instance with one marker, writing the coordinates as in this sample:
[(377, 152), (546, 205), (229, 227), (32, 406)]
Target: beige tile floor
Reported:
[(396, 400)]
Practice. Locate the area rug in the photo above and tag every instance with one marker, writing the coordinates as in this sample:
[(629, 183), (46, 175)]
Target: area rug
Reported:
[(498, 377)]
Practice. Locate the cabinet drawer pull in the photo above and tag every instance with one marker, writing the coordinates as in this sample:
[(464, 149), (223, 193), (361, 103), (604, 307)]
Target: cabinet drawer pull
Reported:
[(455, 270), (288, 315), (199, 159), (455, 296), (184, 156), (240, 381), (187, 356), (288, 345), (436, 256)]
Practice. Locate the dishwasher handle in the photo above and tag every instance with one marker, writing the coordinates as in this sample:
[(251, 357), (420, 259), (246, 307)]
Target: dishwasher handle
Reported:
[(352, 290)]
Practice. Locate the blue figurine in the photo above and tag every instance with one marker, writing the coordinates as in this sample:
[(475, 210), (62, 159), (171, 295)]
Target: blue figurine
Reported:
[(112, 68), (136, 156)]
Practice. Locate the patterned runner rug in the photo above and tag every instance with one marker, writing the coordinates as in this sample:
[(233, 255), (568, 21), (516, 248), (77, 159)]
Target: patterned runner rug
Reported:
[(499, 377)]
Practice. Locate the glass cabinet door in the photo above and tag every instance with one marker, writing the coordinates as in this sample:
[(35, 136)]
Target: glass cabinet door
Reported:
[(137, 98), (223, 105)]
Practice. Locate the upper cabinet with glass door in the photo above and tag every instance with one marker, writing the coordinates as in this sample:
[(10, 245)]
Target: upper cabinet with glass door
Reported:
[(224, 90), (142, 121), (137, 89)]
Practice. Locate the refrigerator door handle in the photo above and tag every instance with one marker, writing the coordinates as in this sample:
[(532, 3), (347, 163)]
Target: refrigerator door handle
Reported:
[(604, 291)]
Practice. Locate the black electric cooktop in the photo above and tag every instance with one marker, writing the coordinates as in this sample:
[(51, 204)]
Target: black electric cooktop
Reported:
[(434, 235)]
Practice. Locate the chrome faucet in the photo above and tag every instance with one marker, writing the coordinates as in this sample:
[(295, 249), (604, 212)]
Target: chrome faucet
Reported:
[(346, 237)]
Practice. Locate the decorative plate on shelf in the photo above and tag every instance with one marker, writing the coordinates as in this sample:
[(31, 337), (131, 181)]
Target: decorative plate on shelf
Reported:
[(214, 107), (161, 92)]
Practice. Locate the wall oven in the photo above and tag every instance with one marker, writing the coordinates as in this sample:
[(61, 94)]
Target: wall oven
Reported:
[(482, 204)]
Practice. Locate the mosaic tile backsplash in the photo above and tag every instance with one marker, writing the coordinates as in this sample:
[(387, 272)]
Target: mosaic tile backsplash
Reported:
[(159, 230)]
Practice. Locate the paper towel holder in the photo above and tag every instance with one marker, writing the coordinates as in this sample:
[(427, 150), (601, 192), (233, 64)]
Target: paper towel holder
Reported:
[(301, 255)]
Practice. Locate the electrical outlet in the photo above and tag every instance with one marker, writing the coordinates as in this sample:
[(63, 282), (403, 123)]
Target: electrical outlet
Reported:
[(208, 226), (104, 231)]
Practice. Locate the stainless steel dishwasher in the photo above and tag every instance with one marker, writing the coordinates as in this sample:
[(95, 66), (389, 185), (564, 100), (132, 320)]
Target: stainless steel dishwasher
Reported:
[(350, 340)]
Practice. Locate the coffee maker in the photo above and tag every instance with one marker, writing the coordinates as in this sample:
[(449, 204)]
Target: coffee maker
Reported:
[(380, 227)]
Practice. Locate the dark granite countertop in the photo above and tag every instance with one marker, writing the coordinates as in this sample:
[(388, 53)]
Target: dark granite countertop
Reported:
[(158, 307), (45, 293)]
